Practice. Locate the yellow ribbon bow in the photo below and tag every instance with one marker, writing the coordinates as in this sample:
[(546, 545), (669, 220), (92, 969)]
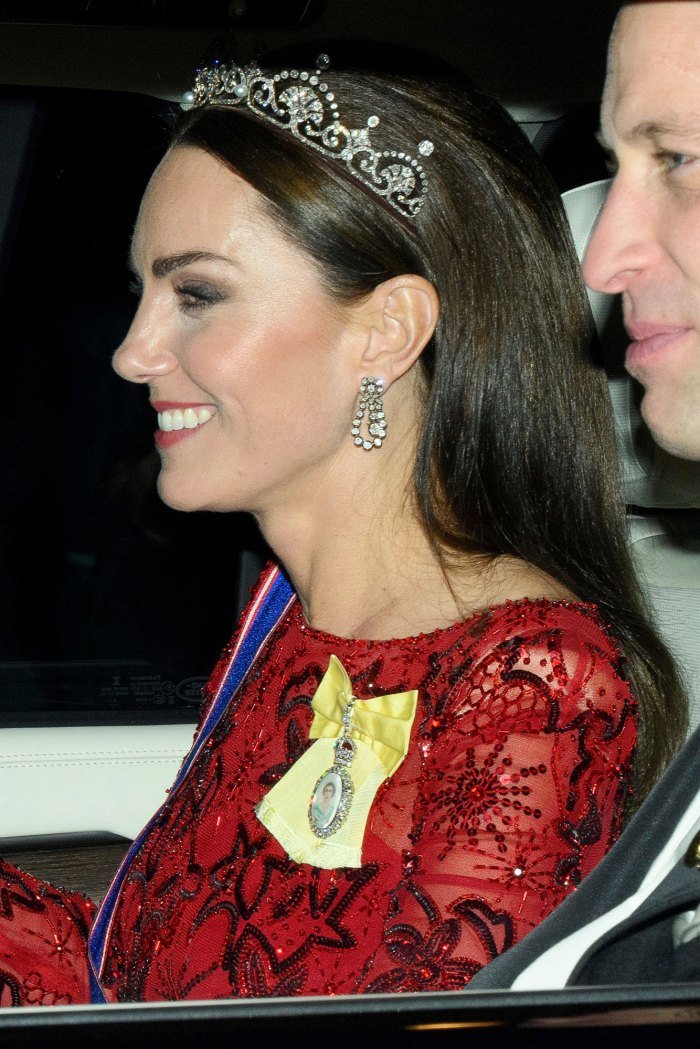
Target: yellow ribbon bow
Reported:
[(380, 728), (382, 722)]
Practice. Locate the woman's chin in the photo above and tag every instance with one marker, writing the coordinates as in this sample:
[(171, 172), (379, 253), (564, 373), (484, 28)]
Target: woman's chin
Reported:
[(180, 497)]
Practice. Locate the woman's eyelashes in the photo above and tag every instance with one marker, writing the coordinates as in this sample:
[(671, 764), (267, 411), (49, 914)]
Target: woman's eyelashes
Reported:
[(195, 296), (191, 296)]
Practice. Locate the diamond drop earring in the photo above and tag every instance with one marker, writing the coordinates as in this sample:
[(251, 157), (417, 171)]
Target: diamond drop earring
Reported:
[(370, 402)]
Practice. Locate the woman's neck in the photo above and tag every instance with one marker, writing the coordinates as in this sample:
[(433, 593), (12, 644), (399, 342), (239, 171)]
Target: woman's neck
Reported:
[(349, 535), (362, 566), (356, 553)]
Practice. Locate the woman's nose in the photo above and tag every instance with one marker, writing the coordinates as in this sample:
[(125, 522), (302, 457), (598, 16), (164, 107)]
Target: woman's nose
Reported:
[(623, 244), (145, 353)]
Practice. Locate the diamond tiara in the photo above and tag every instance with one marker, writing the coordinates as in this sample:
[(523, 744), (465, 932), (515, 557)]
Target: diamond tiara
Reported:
[(301, 102)]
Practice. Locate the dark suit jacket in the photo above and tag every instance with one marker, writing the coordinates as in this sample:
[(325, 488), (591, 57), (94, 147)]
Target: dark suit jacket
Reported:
[(639, 949)]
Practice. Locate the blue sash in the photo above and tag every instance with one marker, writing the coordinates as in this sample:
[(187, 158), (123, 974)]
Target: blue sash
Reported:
[(271, 602)]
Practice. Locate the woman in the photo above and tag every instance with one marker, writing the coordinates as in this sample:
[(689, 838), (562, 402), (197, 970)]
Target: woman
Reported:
[(361, 319), (323, 804)]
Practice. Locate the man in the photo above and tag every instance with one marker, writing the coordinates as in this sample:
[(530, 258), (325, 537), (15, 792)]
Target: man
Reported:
[(636, 918), (647, 242)]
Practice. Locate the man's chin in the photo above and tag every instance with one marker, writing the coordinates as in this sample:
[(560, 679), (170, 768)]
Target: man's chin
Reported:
[(677, 432)]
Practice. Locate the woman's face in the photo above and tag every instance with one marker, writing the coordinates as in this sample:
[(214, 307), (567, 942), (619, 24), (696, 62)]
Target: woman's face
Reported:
[(245, 355)]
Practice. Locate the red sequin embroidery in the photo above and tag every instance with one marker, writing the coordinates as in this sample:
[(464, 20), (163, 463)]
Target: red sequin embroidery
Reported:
[(512, 791)]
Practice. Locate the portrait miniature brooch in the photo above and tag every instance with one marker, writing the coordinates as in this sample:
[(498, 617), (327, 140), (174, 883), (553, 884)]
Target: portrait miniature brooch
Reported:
[(319, 809)]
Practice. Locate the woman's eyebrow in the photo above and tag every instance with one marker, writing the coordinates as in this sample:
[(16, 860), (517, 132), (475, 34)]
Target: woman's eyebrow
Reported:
[(163, 266)]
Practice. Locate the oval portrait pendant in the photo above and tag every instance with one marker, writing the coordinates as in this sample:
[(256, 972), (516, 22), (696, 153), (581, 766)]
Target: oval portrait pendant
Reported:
[(320, 809), (333, 792)]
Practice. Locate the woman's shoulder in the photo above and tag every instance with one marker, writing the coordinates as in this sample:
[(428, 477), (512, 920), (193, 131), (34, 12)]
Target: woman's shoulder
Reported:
[(575, 628), (579, 622), (523, 603), (555, 652)]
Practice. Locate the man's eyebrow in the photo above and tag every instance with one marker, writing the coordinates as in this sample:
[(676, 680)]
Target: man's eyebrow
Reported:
[(651, 129), (162, 267)]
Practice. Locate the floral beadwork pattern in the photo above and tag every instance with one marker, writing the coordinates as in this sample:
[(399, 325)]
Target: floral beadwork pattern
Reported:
[(512, 790), (43, 933)]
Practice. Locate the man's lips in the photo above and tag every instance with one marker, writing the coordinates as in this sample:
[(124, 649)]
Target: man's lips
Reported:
[(650, 339)]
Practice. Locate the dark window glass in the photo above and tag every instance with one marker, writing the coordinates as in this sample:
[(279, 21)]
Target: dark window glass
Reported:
[(110, 603)]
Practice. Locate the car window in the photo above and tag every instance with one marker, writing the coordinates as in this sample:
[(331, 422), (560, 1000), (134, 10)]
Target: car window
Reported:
[(112, 604)]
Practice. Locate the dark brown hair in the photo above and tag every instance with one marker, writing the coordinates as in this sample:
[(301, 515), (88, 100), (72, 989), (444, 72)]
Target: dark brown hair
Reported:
[(517, 453)]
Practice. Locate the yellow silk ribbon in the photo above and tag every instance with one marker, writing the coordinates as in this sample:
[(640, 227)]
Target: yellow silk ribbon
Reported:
[(381, 730)]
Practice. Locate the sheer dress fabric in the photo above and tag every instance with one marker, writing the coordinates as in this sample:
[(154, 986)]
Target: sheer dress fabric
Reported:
[(512, 790)]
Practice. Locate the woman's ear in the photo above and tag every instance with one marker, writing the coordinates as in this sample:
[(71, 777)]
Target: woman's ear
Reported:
[(399, 317)]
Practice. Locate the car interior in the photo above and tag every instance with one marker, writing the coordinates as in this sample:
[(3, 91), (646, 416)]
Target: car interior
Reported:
[(114, 608)]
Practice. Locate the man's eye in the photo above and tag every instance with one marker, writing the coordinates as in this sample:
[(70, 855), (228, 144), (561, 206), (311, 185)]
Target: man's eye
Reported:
[(672, 161)]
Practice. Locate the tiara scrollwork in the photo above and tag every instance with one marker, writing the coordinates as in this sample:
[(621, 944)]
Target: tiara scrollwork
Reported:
[(300, 102)]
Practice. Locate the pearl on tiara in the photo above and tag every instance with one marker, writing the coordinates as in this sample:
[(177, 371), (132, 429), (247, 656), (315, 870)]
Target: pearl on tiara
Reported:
[(300, 102)]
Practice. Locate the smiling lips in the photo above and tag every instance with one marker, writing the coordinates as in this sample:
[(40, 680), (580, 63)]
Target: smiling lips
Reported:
[(179, 421)]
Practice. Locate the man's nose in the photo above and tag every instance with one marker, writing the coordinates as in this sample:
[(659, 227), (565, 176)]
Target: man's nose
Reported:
[(623, 243)]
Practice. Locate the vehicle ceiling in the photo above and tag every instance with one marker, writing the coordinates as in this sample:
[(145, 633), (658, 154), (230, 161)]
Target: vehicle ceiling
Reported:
[(540, 57)]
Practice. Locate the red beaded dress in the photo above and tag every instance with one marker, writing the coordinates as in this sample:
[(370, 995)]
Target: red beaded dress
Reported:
[(511, 791)]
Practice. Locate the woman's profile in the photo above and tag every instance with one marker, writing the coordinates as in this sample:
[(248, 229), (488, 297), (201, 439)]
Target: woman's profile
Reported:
[(361, 320)]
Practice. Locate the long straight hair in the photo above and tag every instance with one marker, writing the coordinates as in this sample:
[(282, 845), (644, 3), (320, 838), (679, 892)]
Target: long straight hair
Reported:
[(516, 454)]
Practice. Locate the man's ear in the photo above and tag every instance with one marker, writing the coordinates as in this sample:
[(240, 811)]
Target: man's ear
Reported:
[(400, 316)]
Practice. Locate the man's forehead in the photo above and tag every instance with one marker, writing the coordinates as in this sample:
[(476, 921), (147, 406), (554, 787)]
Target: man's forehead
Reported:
[(653, 82)]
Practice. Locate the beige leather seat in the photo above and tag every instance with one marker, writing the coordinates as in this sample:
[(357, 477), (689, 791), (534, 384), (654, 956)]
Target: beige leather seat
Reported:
[(662, 492)]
